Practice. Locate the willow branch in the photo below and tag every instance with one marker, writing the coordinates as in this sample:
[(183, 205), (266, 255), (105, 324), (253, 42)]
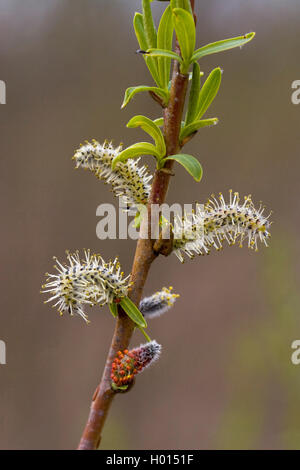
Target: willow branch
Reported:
[(144, 257)]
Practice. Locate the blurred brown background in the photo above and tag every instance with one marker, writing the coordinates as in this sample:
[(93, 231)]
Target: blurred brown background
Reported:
[(225, 379)]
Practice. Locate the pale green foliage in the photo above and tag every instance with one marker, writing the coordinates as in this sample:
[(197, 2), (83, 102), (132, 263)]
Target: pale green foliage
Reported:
[(156, 47)]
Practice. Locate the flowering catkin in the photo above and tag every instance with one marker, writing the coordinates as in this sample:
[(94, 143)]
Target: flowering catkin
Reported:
[(89, 281), (217, 221), (158, 303), (129, 181), (129, 363)]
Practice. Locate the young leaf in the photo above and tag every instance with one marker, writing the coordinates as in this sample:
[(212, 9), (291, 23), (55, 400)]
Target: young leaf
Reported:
[(194, 95), (162, 53), (149, 27), (134, 151), (185, 4), (133, 312), (159, 122), (221, 46), (209, 91), (190, 163), (153, 69), (113, 309), (186, 34), (140, 31), (132, 91), (138, 24), (164, 41), (195, 126), (116, 388), (151, 37), (152, 129), (137, 220)]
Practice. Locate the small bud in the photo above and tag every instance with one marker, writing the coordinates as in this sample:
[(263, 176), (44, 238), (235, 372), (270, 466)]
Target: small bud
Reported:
[(129, 363), (158, 303)]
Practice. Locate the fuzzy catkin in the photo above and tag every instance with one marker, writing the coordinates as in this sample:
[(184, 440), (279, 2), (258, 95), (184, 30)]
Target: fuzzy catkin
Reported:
[(158, 303), (129, 181), (90, 281), (129, 363), (219, 221)]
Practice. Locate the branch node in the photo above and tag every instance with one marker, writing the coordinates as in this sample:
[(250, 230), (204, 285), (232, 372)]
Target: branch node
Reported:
[(164, 246)]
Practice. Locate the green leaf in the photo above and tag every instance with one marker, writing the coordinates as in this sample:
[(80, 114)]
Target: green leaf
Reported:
[(162, 53), (138, 24), (132, 91), (186, 33), (185, 4), (190, 163), (137, 220), (196, 125), (159, 122), (113, 307), (152, 129), (164, 41), (134, 151), (194, 95), (140, 31), (153, 69), (221, 46), (151, 37), (148, 22), (133, 312), (191, 75), (116, 388), (208, 91)]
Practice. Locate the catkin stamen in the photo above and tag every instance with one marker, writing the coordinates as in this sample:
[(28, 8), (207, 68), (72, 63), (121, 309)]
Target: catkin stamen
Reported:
[(158, 303), (90, 281), (219, 221), (129, 181)]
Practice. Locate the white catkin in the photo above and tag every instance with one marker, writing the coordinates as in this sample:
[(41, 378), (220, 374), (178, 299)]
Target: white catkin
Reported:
[(129, 181), (220, 221), (90, 281)]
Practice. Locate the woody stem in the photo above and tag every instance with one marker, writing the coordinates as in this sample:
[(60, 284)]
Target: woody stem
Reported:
[(143, 259)]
